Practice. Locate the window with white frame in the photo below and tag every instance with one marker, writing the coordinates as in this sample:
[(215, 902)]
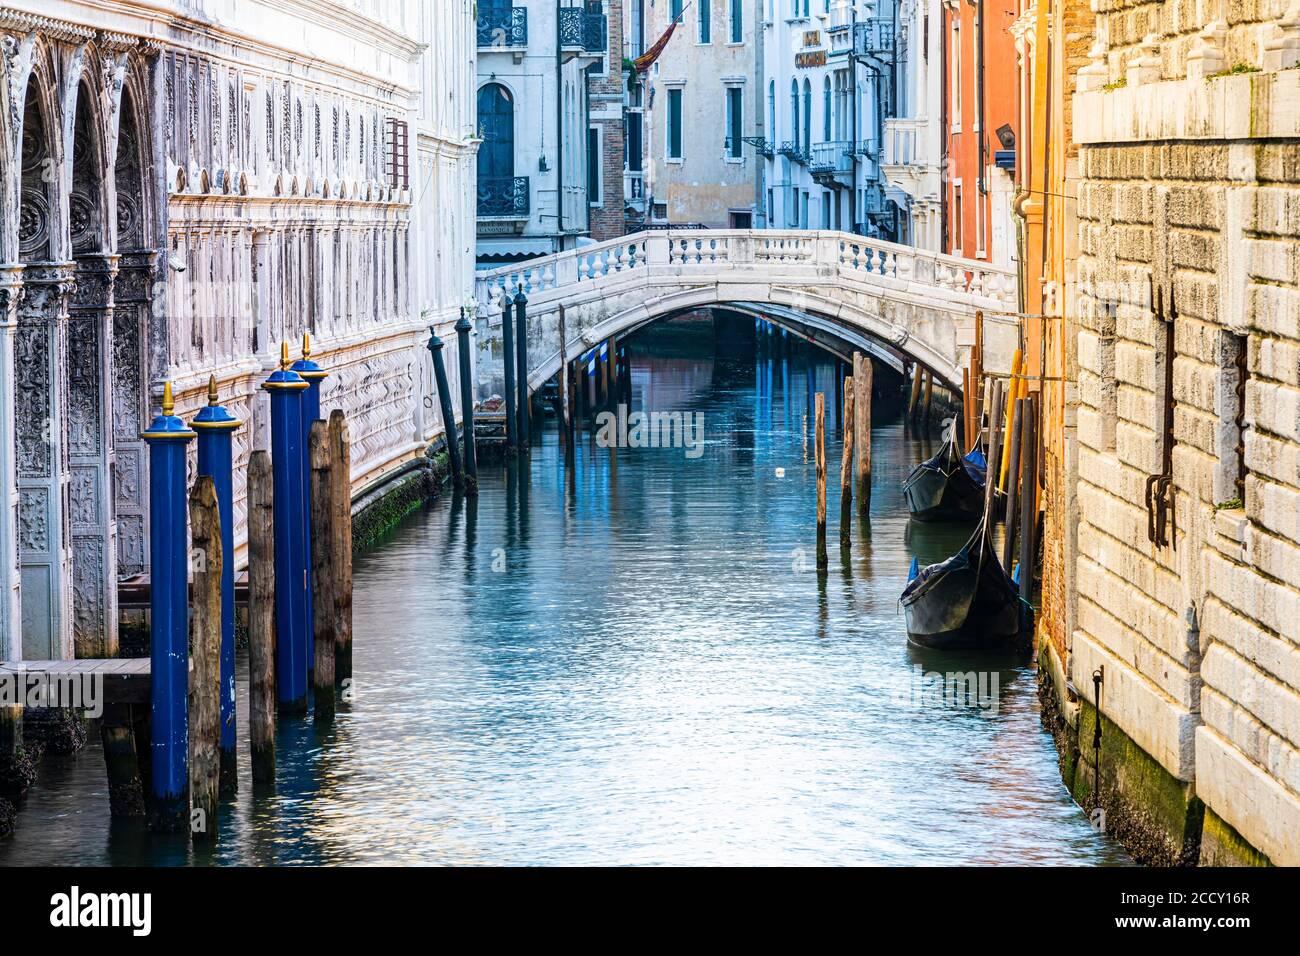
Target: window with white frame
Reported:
[(706, 20), (735, 121), (737, 8), (673, 127), (956, 77), (955, 228)]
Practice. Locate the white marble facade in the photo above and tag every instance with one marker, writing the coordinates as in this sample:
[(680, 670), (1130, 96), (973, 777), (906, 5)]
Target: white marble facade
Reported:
[(186, 184)]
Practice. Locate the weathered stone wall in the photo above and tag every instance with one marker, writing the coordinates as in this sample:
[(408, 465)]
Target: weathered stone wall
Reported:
[(1191, 187), (185, 189)]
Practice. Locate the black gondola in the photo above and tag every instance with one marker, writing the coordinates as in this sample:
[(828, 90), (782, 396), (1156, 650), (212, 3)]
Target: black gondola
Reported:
[(947, 487), (965, 602)]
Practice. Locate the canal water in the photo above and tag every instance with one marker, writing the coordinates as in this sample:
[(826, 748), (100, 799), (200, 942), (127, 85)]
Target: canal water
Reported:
[(641, 666)]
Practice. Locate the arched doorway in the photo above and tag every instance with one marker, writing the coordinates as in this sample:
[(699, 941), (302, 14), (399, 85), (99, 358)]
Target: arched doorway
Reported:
[(89, 377), (44, 534), (131, 310)]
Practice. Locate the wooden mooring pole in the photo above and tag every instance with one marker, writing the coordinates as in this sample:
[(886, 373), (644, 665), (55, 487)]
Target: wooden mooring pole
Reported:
[(261, 618), (994, 455), (1028, 512), (1012, 483), (508, 366), (205, 681), (121, 760), (863, 375), (820, 452), (1014, 394), (917, 372), (341, 523), (324, 568), (846, 459), (566, 407)]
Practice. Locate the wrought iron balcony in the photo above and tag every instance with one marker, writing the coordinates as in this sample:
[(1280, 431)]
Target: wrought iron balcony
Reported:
[(582, 29), (762, 146), (502, 27), (874, 37), (794, 151), (506, 197)]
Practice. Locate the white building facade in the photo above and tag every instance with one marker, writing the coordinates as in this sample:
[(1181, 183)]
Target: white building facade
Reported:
[(833, 78), (534, 118), (912, 144), (694, 113), (185, 187)]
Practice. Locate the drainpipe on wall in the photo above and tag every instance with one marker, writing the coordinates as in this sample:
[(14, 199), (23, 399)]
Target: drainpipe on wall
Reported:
[(943, 128), (980, 181)]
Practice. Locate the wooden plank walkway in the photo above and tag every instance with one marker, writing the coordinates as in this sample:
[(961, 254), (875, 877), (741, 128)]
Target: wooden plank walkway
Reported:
[(126, 679)]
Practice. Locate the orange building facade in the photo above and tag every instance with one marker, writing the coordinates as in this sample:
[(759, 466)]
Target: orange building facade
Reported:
[(981, 122)]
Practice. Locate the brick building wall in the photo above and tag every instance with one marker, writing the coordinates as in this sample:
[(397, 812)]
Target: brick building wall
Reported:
[(606, 114), (1190, 185), (1072, 23)]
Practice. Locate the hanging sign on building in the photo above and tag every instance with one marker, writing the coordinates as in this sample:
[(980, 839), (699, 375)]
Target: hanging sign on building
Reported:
[(808, 57)]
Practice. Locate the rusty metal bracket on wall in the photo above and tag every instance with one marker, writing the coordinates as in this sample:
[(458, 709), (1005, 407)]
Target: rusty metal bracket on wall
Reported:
[(1162, 529)]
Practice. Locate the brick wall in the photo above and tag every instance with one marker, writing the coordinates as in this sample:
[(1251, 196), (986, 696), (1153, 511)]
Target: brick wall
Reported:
[(606, 93)]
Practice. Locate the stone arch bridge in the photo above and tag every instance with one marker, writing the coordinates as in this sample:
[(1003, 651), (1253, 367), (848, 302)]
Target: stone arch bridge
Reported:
[(839, 290)]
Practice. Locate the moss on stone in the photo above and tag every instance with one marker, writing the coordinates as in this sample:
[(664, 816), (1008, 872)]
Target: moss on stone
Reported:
[(1155, 816), (1222, 845), (372, 523)]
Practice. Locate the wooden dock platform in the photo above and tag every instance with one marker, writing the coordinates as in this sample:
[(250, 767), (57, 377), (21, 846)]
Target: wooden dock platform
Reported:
[(126, 679)]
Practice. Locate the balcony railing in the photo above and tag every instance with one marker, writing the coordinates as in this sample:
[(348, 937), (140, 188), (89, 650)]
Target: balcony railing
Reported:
[(866, 148), (763, 146), (502, 27), (581, 29), (506, 197), (903, 143), (794, 151), (633, 186), (874, 37), (834, 156)]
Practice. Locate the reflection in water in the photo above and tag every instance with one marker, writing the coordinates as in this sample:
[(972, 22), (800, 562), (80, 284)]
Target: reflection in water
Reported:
[(656, 674)]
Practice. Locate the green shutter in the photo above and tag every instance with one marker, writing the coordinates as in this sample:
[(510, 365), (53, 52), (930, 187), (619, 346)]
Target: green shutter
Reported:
[(675, 124)]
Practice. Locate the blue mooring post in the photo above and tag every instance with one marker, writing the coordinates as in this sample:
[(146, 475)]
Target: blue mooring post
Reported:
[(523, 404), (215, 426), (508, 355), (313, 375), (169, 620), (286, 387), (467, 402), (444, 402)]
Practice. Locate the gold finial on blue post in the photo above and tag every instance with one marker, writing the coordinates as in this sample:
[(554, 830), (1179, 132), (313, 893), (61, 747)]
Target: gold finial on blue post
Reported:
[(284, 356), (212, 390), (306, 345), (168, 403)]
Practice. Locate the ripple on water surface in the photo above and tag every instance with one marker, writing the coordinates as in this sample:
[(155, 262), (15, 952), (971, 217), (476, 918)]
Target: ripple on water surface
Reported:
[(640, 668)]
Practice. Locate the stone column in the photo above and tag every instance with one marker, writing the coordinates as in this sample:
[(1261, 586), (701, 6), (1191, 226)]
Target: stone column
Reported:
[(41, 413), (129, 403), (11, 639), (90, 457)]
